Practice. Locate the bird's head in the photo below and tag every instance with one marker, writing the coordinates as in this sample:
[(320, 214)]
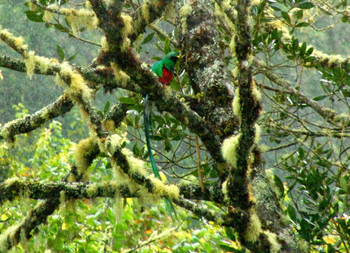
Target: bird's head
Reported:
[(173, 56)]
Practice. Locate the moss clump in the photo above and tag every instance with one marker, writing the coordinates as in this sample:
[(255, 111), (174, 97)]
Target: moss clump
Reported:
[(161, 189), (272, 238), (135, 165), (229, 148), (185, 11), (80, 18), (82, 156), (119, 75), (77, 85), (29, 61), (145, 11), (8, 238), (254, 227), (236, 104), (126, 31), (13, 180)]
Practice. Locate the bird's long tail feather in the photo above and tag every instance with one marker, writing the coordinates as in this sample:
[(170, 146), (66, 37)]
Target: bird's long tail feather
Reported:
[(147, 117)]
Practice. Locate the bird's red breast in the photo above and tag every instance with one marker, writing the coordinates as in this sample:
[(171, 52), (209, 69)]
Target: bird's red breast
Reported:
[(167, 76)]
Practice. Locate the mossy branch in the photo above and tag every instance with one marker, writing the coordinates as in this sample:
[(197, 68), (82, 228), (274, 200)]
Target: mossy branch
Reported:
[(96, 76), (31, 122), (16, 188), (13, 188), (331, 116), (23, 231)]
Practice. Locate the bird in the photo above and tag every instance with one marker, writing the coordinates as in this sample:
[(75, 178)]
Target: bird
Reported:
[(164, 69)]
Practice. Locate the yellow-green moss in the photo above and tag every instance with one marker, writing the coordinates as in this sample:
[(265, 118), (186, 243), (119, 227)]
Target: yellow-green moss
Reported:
[(135, 164), (17, 42), (13, 180), (29, 61), (109, 125), (254, 227), (185, 11), (236, 104), (104, 44), (251, 195), (119, 75), (80, 18), (161, 189), (111, 144), (145, 11), (255, 2), (335, 59), (233, 45), (126, 31), (274, 245), (92, 190), (82, 149), (224, 190), (229, 149), (257, 133), (8, 237), (43, 63), (303, 246), (226, 4), (256, 94), (77, 84)]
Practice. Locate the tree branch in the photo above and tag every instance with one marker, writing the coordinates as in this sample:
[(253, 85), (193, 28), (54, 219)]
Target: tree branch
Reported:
[(29, 123)]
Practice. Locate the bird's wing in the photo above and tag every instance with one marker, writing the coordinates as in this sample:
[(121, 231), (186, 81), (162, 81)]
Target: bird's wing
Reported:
[(158, 68)]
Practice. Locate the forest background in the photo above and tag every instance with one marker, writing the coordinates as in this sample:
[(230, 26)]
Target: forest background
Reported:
[(253, 131)]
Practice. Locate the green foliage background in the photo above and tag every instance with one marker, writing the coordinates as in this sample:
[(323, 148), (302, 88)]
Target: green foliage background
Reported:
[(314, 191)]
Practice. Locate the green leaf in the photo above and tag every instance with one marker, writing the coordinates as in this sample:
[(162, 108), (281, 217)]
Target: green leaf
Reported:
[(60, 52), (309, 51), (305, 6), (299, 14), (279, 184), (319, 98), (302, 48), (72, 57), (127, 100), (60, 28), (167, 48), (34, 16), (161, 37), (302, 24), (148, 38), (285, 16), (106, 108), (292, 213), (230, 233)]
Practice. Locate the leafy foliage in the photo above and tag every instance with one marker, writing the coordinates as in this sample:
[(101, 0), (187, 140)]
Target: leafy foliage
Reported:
[(305, 147)]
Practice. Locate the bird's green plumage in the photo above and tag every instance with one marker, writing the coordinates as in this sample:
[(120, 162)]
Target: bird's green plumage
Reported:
[(168, 61)]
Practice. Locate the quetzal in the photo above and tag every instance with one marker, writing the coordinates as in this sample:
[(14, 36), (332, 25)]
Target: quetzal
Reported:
[(164, 69)]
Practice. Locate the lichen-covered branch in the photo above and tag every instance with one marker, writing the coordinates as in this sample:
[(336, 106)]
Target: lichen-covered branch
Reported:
[(204, 63), (14, 187), (331, 116), (23, 231), (126, 67), (31, 122)]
